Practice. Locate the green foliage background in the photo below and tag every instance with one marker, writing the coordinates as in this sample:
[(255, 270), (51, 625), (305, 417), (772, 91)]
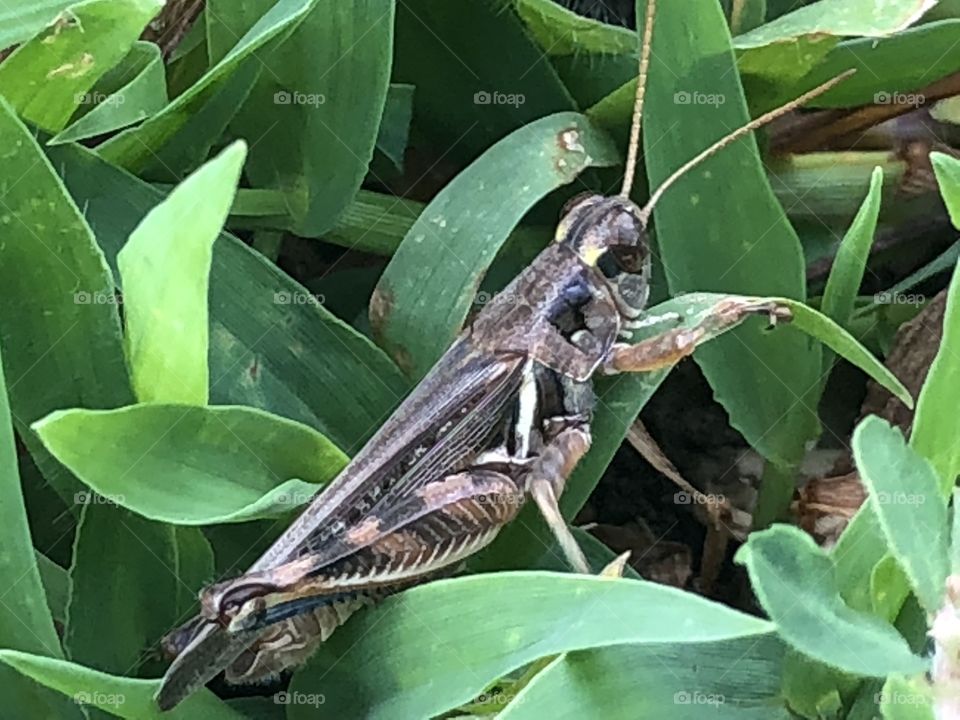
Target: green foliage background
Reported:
[(164, 446)]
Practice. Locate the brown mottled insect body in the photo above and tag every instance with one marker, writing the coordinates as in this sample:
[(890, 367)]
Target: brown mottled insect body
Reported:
[(503, 416)]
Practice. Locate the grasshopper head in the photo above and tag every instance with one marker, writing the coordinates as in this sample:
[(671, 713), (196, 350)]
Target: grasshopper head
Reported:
[(608, 233), (224, 601)]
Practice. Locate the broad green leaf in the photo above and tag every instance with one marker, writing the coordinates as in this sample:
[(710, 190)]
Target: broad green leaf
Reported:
[(59, 326), (114, 618), (737, 679), (455, 239), (906, 497), (137, 148), (375, 223), (312, 132), (193, 465), (56, 586), (796, 584), (227, 22), (438, 645), (947, 170), (48, 77), (907, 699), (26, 622), (882, 75), (165, 270), (794, 43), (846, 274), (720, 228), (120, 696), (132, 91), (271, 345), (444, 50), (19, 21)]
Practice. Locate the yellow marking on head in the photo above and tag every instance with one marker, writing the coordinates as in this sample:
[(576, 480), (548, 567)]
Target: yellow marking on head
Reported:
[(591, 254)]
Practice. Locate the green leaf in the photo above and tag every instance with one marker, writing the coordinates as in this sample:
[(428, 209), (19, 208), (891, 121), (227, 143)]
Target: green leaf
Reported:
[(165, 269), (734, 679), (947, 170), (905, 495), (939, 398), (114, 618), (560, 31), (955, 534), (59, 326), (375, 223), (226, 82), (444, 50), (269, 348), (46, 78), (862, 545), (793, 43), (846, 275), (438, 645), (20, 21), (132, 91), (907, 699), (720, 228), (56, 586), (312, 134), (193, 465), (394, 133), (26, 622), (120, 696), (459, 233), (796, 584), (825, 330), (881, 72)]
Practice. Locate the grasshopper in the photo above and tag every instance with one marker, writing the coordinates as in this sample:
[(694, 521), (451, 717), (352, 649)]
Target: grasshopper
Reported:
[(503, 417)]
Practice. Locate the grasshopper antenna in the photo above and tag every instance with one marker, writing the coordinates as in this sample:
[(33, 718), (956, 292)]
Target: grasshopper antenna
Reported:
[(633, 148), (736, 135)]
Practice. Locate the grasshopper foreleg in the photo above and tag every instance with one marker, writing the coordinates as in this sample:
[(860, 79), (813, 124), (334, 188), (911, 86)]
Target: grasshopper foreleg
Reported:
[(669, 347)]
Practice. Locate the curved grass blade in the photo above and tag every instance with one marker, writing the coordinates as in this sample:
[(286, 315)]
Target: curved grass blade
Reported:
[(414, 664), (460, 231), (133, 91), (165, 271)]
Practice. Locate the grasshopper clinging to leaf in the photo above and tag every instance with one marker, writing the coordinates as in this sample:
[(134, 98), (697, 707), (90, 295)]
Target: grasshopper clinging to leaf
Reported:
[(503, 417)]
